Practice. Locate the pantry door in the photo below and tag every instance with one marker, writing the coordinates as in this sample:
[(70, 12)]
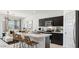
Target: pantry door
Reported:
[(69, 29)]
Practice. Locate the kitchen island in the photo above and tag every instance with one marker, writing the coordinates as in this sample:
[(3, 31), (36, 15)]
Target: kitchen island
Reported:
[(42, 39)]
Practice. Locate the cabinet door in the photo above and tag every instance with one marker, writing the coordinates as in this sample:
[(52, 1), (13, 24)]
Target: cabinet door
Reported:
[(57, 38), (58, 21), (69, 27), (55, 21), (42, 22)]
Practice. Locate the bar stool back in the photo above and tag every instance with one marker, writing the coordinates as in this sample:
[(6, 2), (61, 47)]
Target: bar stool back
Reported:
[(14, 41), (29, 42)]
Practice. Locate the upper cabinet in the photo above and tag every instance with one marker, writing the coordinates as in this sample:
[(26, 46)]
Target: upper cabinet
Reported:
[(42, 22), (52, 21), (58, 21)]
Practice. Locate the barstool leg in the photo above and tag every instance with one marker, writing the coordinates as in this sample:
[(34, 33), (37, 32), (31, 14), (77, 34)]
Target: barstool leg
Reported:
[(25, 45), (19, 44), (22, 45), (28, 46), (32, 46), (36, 45), (14, 45)]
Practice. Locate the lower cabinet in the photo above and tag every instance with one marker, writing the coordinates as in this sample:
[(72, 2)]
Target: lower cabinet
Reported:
[(57, 38)]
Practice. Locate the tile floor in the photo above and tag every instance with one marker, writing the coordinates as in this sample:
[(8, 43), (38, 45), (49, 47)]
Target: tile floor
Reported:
[(55, 46)]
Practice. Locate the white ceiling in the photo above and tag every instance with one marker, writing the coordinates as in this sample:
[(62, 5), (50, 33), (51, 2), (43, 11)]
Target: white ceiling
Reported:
[(26, 13)]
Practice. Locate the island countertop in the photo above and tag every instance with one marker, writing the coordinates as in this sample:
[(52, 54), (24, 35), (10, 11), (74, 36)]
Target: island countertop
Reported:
[(41, 38), (34, 35)]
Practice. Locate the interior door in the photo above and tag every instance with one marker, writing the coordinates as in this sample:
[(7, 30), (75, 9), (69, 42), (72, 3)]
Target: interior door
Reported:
[(69, 25)]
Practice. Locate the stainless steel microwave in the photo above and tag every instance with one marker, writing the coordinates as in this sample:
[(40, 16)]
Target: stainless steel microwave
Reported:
[(48, 23)]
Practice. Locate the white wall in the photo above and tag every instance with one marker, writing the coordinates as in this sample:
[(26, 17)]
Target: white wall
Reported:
[(1, 25), (0, 28)]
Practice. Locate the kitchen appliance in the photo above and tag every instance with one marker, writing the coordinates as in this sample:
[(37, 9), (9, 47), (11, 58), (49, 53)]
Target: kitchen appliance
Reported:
[(39, 29), (71, 29), (48, 23)]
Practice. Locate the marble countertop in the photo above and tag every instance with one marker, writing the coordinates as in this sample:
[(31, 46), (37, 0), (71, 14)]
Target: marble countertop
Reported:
[(38, 35), (34, 35)]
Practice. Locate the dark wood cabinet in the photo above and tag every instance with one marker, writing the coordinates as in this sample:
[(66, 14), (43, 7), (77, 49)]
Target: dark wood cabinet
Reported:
[(56, 21), (42, 22), (57, 38)]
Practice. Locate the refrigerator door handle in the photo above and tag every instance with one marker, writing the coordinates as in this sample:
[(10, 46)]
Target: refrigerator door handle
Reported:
[(74, 35)]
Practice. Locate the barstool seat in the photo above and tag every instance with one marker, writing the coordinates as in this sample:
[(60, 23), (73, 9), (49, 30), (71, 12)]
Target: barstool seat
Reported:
[(30, 42), (20, 39), (12, 42)]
